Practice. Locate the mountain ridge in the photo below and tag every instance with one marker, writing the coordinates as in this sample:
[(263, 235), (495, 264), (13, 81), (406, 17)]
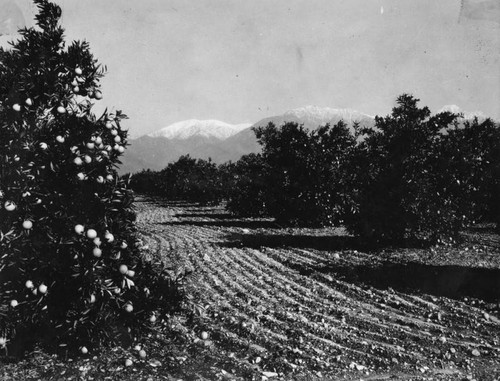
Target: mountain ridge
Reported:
[(221, 141), (467, 115), (327, 112), (195, 127)]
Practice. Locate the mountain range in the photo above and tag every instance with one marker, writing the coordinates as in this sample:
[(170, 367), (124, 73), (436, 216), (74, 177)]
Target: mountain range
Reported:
[(202, 128), (222, 142)]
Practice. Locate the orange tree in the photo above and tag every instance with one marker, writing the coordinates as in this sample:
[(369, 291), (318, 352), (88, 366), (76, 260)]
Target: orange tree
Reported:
[(71, 271), (193, 180), (422, 176), (247, 186), (468, 161), (147, 182), (307, 173), (187, 179)]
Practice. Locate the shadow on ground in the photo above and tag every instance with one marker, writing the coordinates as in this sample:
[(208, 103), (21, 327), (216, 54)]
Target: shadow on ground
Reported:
[(450, 281), (310, 241), (251, 224)]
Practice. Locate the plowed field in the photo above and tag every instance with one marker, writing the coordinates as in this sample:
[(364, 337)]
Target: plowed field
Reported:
[(305, 304)]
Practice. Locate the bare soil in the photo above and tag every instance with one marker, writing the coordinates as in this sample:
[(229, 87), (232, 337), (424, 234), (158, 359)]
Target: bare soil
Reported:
[(278, 303), (314, 304)]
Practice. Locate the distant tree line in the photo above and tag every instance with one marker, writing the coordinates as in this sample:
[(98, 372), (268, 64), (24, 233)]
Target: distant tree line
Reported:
[(188, 179), (413, 175)]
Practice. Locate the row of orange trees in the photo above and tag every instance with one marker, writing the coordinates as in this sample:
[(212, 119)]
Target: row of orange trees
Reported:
[(187, 179), (413, 175)]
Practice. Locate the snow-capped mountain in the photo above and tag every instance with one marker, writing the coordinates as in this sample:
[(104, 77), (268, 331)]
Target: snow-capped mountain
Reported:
[(198, 138), (223, 142), (199, 128), (327, 113), (467, 115), (313, 116)]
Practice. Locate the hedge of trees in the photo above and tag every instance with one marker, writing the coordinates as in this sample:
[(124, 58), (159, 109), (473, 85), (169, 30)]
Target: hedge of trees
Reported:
[(187, 179), (413, 175)]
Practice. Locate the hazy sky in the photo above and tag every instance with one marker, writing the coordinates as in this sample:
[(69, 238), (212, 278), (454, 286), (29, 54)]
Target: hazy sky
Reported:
[(241, 60)]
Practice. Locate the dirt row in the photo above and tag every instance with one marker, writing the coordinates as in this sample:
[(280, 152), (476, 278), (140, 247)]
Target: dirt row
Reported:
[(281, 303)]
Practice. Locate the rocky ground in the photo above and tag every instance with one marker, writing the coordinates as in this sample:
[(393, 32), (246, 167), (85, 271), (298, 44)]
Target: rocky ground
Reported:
[(267, 302)]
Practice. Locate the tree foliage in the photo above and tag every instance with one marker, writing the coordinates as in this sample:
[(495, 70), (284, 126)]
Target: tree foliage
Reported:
[(187, 179), (413, 175), (71, 271), (420, 175), (307, 173), (247, 186)]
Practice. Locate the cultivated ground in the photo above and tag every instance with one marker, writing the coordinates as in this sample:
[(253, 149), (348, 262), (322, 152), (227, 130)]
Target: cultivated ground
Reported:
[(307, 304)]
